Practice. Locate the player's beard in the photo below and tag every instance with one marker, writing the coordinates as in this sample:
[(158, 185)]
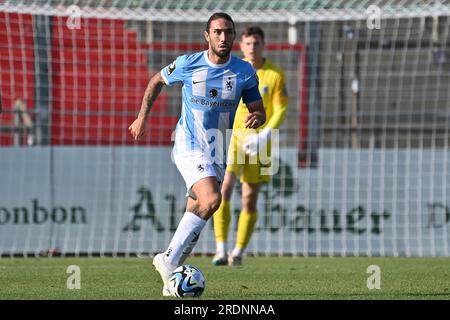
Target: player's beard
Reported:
[(222, 54)]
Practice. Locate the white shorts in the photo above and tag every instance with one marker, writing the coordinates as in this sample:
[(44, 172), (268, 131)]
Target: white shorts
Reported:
[(195, 166)]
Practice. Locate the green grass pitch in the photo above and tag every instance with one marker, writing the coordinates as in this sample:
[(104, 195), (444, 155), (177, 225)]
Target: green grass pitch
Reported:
[(271, 278)]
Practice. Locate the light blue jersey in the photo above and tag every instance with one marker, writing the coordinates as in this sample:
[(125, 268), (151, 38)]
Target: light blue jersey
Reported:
[(211, 93)]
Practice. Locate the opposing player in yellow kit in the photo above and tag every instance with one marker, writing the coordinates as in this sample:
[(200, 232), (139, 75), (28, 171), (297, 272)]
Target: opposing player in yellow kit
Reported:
[(273, 92)]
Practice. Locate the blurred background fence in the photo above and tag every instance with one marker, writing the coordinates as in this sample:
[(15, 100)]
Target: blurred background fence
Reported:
[(365, 166)]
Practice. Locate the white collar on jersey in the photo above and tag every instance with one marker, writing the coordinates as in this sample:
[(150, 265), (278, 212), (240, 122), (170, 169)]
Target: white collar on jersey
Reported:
[(213, 65)]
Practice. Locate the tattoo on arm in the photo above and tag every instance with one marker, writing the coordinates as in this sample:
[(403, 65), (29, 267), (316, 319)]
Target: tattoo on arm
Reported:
[(151, 93)]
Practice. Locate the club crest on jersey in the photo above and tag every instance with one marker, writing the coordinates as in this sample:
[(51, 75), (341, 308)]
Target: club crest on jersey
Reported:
[(229, 85)]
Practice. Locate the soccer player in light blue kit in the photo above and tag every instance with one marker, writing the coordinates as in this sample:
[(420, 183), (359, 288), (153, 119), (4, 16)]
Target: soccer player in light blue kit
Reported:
[(213, 83)]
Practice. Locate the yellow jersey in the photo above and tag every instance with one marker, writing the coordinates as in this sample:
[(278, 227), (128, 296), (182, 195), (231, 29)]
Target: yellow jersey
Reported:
[(272, 88)]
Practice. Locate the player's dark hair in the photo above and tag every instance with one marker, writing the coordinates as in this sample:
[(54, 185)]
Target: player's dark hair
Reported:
[(219, 15), (251, 31)]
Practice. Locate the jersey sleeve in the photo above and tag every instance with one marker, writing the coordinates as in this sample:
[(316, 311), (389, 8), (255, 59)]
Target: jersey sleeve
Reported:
[(173, 73), (251, 95), (279, 103), (251, 92)]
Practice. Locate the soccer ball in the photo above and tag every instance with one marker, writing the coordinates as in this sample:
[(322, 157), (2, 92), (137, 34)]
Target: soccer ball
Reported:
[(187, 281)]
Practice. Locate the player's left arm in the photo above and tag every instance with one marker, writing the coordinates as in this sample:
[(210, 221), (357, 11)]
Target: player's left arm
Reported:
[(253, 100), (257, 116)]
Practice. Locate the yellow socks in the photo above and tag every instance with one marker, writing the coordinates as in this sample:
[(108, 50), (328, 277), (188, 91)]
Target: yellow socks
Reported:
[(222, 218), (246, 224)]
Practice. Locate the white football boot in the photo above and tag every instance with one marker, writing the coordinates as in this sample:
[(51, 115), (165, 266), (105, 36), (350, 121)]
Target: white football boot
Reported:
[(165, 269)]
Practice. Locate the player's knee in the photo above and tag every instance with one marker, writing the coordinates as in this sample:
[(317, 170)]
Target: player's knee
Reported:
[(211, 203), (214, 202)]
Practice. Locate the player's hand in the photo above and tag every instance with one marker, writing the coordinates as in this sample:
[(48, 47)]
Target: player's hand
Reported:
[(256, 142), (137, 128), (251, 145), (253, 120)]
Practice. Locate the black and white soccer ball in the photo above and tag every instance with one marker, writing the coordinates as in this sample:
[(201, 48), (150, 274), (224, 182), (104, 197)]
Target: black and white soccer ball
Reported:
[(187, 281)]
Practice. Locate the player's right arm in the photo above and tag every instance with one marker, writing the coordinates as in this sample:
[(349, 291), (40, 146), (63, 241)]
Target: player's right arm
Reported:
[(154, 87), (169, 75)]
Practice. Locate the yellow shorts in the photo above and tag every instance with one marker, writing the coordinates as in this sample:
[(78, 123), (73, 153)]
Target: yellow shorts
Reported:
[(249, 170)]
